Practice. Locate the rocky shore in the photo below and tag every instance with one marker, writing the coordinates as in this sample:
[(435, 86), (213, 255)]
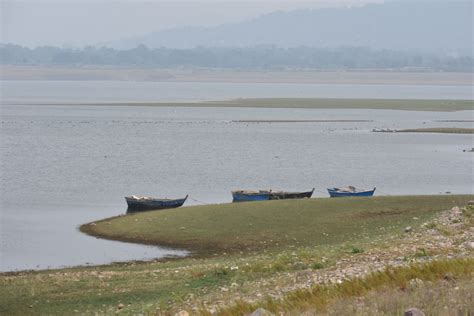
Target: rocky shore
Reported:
[(450, 235)]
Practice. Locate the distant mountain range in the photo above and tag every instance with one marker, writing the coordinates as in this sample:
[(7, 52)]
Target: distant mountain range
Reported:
[(441, 28)]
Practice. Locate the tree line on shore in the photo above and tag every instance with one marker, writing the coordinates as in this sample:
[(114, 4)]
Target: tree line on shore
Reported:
[(259, 57)]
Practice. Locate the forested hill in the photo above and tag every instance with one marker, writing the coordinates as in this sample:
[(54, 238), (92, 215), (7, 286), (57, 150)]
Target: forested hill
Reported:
[(436, 27)]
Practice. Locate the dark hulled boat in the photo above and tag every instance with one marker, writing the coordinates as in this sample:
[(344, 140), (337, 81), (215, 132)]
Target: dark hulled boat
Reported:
[(265, 195), (282, 195), (144, 203)]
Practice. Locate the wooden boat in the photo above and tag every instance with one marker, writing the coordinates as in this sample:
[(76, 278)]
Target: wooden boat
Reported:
[(265, 195), (144, 203), (349, 191), (282, 195), (249, 196)]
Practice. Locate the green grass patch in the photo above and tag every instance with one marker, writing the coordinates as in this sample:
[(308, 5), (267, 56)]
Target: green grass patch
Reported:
[(357, 250), (273, 225), (317, 266)]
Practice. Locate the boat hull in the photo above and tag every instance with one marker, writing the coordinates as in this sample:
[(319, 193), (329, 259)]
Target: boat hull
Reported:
[(139, 205), (263, 195), (335, 193), (290, 195), (239, 196)]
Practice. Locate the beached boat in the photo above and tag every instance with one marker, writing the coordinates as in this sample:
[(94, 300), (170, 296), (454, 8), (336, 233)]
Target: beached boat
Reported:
[(282, 195), (265, 195), (144, 203), (349, 191)]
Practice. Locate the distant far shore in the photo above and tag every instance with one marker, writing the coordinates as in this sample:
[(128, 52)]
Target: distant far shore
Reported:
[(307, 103), (116, 73)]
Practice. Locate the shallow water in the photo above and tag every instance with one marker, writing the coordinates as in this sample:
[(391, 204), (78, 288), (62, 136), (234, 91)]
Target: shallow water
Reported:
[(66, 165), (46, 236)]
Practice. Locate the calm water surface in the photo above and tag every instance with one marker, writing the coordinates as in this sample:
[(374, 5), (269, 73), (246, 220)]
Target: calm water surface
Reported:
[(62, 166)]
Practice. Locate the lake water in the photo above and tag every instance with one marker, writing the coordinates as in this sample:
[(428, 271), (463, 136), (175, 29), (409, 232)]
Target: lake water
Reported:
[(62, 166)]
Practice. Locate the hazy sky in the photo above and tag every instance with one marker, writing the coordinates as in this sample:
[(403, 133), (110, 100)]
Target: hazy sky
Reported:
[(78, 23)]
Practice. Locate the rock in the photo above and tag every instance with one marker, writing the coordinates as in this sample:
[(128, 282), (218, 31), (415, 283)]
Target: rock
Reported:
[(449, 276), (182, 313), (414, 312), (120, 306), (408, 229), (261, 312)]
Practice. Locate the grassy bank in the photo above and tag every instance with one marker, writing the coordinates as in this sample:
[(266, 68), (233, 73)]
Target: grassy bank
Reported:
[(273, 224), (254, 254), (446, 130)]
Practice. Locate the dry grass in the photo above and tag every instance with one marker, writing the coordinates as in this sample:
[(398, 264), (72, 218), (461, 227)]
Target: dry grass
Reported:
[(320, 298), (442, 298)]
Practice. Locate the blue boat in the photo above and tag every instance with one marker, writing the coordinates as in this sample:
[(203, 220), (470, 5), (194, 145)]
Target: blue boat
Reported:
[(144, 203), (349, 191), (249, 196)]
